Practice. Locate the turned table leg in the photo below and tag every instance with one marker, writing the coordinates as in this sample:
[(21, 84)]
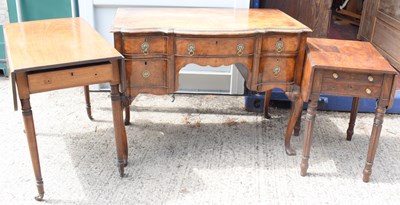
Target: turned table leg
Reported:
[(87, 100), (119, 129), (373, 142), (353, 115), (32, 143), (297, 105), (267, 98), (308, 132)]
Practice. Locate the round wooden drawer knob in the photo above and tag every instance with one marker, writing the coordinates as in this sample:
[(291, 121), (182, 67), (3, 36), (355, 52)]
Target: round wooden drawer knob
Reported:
[(368, 91), (370, 79), (335, 75)]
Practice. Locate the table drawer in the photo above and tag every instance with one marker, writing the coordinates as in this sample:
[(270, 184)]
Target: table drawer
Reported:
[(280, 43), (146, 45), (214, 46), (58, 79), (338, 76), (351, 89), (351, 84), (277, 70), (146, 73)]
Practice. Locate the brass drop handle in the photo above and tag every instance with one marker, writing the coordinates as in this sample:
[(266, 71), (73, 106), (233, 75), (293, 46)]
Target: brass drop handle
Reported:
[(276, 70), (370, 79), (145, 47), (239, 49), (279, 45), (146, 73), (191, 49), (368, 91), (335, 75)]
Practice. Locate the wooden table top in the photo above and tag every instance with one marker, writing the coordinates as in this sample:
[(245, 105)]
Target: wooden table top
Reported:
[(43, 44), (346, 55), (204, 21)]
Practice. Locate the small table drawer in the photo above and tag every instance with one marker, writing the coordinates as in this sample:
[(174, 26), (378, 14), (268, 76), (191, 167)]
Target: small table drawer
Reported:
[(277, 70), (351, 84), (146, 73), (280, 43), (147, 45), (351, 89), (215, 46), (58, 79), (335, 76)]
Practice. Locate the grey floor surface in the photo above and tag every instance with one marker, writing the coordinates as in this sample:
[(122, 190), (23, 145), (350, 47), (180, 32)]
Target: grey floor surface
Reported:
[(196, 150)]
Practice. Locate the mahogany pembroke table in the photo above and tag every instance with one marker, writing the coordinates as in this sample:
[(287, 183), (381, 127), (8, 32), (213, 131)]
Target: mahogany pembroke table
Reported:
[(55, 54)]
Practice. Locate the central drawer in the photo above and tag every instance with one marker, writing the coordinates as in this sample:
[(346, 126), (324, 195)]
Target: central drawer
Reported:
[(214, 46)]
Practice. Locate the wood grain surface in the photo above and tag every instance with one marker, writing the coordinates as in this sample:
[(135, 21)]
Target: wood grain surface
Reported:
[(209, 21), (52, 43), (322, 51)]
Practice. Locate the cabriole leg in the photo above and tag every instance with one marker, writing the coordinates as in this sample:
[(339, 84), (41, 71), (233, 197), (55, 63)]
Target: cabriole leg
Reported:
[(127, 115), (267, 98), (297, 105), (298, 124)]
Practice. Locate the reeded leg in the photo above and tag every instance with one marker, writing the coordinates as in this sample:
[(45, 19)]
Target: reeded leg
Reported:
[(297, 105), (267, 98), (298, 124), (309, 126), (127, 115), (373, 142), (87, 100), (33, 149), (353, 115), (119, 129)]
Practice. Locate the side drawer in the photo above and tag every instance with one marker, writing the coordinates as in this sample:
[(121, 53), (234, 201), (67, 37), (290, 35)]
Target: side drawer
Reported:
[(351, 84), (145, 45), (146, 73), (351, 89), (214, 46), (334, 76), (277, 70), (280, 43), (58, 79)]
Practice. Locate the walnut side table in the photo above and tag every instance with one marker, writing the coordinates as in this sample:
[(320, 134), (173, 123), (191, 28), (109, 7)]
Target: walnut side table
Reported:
[(62, 53), (346, 68)]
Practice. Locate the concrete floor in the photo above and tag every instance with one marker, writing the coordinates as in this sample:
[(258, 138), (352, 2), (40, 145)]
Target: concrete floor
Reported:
[(196, 150)]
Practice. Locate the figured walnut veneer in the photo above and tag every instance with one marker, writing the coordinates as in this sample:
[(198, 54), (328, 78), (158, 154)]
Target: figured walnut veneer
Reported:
[(266, 45)]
